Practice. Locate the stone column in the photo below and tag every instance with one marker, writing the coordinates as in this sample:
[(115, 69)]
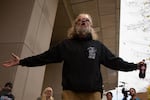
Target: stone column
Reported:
[(26, 28)]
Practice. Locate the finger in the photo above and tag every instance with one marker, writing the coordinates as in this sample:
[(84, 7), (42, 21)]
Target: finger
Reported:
[(15, 56), (7, 61), (5, 65)]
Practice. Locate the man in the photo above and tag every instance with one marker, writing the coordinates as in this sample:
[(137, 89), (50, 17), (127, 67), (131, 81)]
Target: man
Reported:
[(82, 54), (133, 94), (109, 95), (5, 93)]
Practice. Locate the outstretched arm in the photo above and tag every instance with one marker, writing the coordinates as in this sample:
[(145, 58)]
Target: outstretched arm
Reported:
[(12, 62), (117, 63)]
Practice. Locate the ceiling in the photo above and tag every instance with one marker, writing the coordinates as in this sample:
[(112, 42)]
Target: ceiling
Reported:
[(105, 15)]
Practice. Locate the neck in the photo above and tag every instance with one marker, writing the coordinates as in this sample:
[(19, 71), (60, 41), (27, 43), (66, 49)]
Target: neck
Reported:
[(133, 98)]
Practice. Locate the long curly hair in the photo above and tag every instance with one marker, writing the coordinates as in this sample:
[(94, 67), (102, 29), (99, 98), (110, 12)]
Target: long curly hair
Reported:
[(72, 31)]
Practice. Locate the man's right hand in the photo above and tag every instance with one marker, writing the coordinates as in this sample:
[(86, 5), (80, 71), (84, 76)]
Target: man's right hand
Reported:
[(12, 62)]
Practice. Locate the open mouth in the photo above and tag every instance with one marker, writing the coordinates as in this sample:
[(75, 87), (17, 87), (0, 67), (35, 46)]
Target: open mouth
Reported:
[(83, 24)]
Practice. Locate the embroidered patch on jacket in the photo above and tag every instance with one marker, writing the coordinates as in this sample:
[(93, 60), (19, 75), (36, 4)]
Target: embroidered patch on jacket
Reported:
[(92, 52)]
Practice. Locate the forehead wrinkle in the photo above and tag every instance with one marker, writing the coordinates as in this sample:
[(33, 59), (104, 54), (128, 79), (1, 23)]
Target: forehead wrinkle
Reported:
[(84, 16)]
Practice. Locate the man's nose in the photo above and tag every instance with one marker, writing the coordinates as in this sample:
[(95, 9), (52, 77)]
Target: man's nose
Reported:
[(83, 21)]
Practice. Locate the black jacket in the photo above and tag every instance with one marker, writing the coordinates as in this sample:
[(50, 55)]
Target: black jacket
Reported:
[(82, 60)]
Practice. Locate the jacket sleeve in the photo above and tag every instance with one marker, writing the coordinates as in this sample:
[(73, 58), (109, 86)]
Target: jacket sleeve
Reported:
[(53, 55), (111, 61)]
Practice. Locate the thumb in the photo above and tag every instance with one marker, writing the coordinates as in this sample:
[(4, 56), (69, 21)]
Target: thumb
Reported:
[(15, 56)]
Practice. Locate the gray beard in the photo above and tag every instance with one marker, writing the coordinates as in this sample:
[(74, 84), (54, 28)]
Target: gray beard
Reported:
[(82, 31)]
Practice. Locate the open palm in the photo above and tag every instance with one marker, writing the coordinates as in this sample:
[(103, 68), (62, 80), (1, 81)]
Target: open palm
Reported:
[(12, 62)]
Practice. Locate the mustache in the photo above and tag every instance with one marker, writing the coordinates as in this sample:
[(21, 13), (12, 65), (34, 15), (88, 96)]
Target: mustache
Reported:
[(82, 30)]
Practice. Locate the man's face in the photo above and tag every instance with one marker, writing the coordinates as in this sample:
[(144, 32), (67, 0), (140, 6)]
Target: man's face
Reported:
[(7, 89), (83, 24)]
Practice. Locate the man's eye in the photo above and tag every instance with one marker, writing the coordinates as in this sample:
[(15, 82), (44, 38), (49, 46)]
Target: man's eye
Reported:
[(79, 20), (87, 20), (82, 20)]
